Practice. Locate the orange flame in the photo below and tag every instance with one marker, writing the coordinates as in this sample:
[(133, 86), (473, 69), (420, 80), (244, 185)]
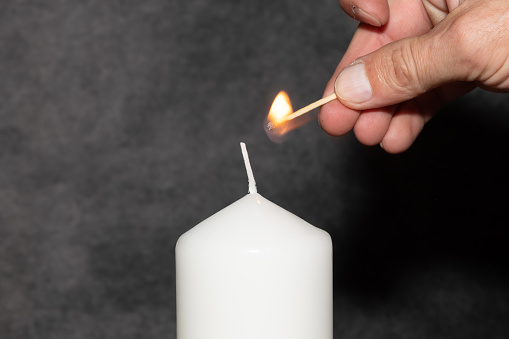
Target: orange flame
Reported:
[(281, 118), (280, 109), (277, 124)]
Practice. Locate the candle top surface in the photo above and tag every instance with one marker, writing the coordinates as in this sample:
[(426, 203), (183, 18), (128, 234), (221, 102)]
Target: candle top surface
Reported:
[(252, 222)]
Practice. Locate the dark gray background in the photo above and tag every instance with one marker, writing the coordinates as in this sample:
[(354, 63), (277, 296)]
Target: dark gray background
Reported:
[(120, 124)]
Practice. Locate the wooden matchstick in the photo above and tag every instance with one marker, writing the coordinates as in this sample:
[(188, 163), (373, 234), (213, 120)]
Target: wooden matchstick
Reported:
[(310, 107)]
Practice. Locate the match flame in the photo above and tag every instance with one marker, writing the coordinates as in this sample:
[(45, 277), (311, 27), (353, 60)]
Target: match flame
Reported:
[(280, 109), (281, 118), (277, 124)]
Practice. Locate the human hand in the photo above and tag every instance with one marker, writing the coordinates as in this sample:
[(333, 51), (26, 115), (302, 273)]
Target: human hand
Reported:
[(422, 54)]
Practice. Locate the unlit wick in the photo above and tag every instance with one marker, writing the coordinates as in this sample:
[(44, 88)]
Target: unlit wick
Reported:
[(250, 176)]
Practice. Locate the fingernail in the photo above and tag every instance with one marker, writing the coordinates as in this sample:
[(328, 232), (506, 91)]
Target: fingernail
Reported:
[(360, 15), (353, 85)]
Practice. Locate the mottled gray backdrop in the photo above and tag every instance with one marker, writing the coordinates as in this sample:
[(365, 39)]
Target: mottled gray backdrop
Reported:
[(120, 124)]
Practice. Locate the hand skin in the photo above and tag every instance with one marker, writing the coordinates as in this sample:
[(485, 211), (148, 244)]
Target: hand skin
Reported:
[(409, 58)]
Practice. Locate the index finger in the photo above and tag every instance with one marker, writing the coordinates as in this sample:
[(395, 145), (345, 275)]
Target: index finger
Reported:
[(372, 12), (407, 18)]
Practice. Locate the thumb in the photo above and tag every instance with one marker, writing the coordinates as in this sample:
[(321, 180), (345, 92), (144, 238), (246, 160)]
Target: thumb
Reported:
[(397, 72)]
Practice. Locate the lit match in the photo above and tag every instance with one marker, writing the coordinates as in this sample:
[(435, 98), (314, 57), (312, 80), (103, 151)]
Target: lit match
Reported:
[(281, 120)]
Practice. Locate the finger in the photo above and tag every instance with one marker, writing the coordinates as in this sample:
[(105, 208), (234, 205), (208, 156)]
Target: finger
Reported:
[(372, 125), (374, 12), (337, 119), (406, 124), (410, 118), (400, 71)]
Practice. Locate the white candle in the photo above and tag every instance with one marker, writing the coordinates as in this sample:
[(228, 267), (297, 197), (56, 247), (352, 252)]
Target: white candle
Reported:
[(254, 271)]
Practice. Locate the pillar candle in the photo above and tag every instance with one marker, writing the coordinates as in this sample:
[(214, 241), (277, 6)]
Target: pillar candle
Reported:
[(254, 271)]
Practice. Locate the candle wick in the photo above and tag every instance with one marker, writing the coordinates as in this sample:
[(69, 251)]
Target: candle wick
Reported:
[(250, 176)]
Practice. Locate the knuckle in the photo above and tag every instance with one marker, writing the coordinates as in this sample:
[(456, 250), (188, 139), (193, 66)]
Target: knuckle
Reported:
[(402, 68), (467, 45)]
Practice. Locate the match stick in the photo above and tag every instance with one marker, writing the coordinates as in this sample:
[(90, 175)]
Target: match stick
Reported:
[(310, 107)]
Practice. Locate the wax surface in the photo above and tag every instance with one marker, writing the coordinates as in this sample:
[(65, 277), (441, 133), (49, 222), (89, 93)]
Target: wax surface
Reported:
[(254, 270)]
